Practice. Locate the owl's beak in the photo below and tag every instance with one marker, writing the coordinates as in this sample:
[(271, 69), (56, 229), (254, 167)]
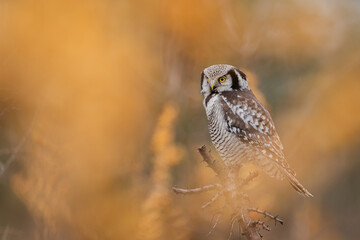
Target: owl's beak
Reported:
[(213, 86)]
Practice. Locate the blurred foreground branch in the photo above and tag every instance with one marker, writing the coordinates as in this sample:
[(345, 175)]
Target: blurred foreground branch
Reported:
[(230, 187), (15, 152)]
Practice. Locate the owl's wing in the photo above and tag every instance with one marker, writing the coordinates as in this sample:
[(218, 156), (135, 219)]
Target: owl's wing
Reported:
[(247, 118)]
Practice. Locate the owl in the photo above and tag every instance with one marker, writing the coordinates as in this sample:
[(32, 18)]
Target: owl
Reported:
[(240, 127)]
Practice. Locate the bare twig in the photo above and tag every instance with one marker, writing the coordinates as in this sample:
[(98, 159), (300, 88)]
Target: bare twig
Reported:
[(229, 180), (261, 223), (266, 214), (195, 190), (232, 228), (217, 166), (216, 222), (15, 152), (248, 179), (212, 200), (230, 187)]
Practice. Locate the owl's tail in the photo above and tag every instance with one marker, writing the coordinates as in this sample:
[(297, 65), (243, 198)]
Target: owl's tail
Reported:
[(297, 185), (275, 170)]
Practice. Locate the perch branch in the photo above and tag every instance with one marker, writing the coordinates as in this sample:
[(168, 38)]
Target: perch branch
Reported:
[(217, 166), (229, 179), (229, 187), (248, 179)]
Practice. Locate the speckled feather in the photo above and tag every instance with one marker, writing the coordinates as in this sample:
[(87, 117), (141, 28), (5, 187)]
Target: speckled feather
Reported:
[(247, 118)]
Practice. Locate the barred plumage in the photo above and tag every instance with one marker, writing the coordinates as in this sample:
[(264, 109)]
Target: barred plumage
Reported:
[(240, 127)]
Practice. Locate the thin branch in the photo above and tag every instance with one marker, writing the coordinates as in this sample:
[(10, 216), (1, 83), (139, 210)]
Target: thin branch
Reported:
[(236, 200), (232, 228), (19, 146), (266, 214), (217, 166), (261, 223), (229, 180), (195, 190), (248, 179), (212, 200), (216, 223)]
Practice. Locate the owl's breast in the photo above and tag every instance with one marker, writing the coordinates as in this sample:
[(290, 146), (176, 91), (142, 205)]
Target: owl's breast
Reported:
[(231, 149)]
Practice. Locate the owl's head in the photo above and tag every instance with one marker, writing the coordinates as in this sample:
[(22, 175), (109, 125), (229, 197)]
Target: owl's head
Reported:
[(222, 77)]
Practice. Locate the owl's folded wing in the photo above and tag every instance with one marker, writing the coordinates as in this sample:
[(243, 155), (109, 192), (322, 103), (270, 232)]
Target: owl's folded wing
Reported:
[(248, 119)]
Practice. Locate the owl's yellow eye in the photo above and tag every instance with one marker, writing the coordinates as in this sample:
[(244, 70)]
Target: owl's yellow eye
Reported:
[(207, 79), (222, 79)]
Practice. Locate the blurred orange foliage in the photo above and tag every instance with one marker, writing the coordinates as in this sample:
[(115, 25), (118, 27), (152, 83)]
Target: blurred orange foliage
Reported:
[(160, 218), (112, 89)]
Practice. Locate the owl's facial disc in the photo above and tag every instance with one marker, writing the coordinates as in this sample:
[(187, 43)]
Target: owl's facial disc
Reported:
[(222, 77)]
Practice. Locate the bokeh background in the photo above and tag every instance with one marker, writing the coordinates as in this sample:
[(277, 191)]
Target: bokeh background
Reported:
[(101, 114)]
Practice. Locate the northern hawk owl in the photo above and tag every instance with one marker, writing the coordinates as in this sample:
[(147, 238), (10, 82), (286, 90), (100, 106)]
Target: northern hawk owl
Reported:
[(240, 127)]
